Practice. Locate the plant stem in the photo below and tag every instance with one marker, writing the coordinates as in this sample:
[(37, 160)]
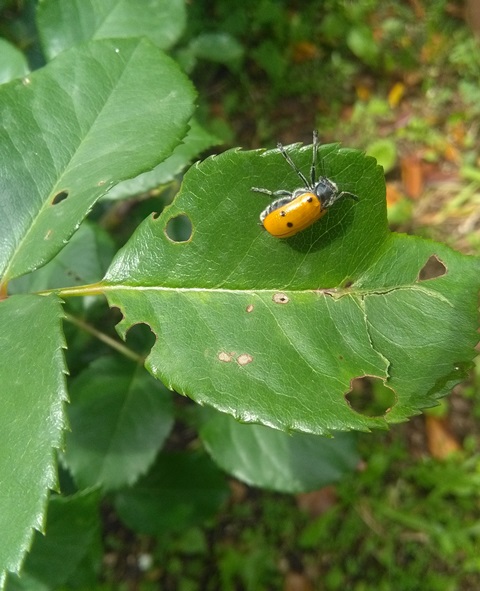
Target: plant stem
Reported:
[(80, 290), (123, 349)]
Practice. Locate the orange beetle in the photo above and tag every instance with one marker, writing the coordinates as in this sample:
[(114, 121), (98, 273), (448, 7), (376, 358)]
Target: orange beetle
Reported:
[(296, 210)]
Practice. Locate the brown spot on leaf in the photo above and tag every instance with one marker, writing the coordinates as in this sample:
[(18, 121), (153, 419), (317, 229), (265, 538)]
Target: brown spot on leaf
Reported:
[(249, 308), (244, 359), (225, 357), (280, 298)]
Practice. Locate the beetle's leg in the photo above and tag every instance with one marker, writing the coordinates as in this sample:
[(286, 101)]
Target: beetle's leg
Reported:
[(341, 195), (279, 193), (277, 204), (349, 195), (286, 155), (313, 171)]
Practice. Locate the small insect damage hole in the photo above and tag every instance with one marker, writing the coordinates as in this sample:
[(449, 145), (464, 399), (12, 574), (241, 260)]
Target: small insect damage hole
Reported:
[(433, 268), (179, 228), (280, 298), (140, 339), (370, 396), (59, 197)]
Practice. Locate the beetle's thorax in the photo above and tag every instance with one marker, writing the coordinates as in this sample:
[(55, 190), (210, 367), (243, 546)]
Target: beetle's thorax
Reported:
[(325, 190)]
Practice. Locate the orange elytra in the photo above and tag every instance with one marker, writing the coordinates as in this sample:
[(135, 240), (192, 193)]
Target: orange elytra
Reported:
[(296, 210)]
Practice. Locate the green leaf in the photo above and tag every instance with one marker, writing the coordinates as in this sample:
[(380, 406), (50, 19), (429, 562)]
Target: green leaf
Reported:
[(385, 153), (119, 419), (13, 64), (361, 42), (270, 459), (274, 331), (56, 162), (427, 328), (269, 57), (31, 417), (64, 23), (196, 141), (229, 249), (181, 490), (71, 545), (83, 260), (217, 47)]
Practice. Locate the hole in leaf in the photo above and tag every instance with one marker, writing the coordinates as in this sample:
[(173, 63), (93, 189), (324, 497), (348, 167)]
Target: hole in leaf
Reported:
[(370, 396), (59, 197), (432, 269), (280, 298), (179, 228), (117, 314), (140, 338)]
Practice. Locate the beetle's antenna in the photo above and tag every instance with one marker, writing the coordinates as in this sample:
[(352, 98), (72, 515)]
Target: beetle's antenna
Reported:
[(313, 170), (286, 155)]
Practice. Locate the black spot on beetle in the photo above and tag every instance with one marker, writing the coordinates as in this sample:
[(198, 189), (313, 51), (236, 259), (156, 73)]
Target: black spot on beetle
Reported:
[(289, 225)]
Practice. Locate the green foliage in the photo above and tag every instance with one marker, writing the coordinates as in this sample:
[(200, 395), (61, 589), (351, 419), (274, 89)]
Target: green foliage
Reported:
[(308, 462), (315, 321), (76, 158), (161, 21), (215, 47), (71, 548), (13, 64), (188, 488), (84, 259), (395, 520), (269, 331), (56, 164), (292, 50), (115, 437), (195, 142), (397, 524), (33, 392), (385, 153)]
